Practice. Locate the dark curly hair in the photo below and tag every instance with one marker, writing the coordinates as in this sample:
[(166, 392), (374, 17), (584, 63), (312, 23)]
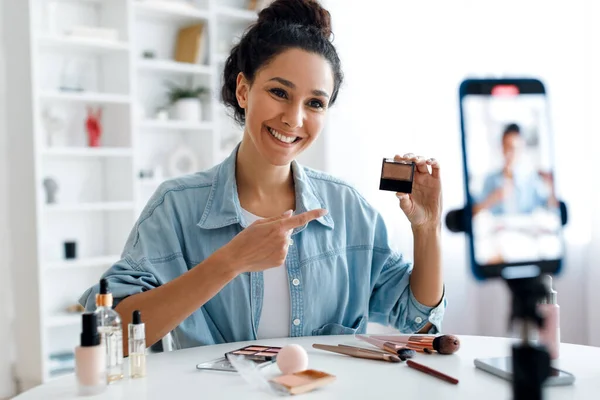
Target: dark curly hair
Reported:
[(284, 24)]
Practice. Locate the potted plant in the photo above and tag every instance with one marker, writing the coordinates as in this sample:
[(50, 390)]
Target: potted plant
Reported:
[(185, 102)]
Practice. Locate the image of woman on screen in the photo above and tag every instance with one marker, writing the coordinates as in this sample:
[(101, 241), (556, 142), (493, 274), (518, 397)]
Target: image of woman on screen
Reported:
[(512, 189)]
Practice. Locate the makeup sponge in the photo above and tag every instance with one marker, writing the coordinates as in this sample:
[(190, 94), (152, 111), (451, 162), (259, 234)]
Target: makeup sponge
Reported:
[(292, 358)]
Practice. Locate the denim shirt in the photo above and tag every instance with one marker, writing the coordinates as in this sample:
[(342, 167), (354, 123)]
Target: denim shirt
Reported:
[(342, 272)]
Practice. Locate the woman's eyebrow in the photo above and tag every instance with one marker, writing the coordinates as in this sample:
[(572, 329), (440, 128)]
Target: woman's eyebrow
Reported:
[(291, 85)]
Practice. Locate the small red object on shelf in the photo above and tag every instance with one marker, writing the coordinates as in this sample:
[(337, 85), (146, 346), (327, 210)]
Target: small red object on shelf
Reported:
[(93, 126)]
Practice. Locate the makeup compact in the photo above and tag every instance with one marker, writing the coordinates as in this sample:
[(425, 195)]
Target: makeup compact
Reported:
[(261, 356), (397, 176), (302, 381), (257, 353)]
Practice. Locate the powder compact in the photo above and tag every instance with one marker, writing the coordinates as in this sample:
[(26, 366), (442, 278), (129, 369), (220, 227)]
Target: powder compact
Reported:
[(303, 381)]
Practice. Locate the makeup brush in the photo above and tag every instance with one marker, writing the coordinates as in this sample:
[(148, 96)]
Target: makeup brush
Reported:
[(443, 344), (358, 352), (400, 350)]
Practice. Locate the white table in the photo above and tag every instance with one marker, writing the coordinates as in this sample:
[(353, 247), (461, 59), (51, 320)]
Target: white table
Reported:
[(174, 375)]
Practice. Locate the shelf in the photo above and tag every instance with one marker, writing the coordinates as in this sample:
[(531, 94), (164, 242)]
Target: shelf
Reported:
[(57, 374), (81, 44), (176, 125), (63, 319), (99, 206), (98, 2), (169, 11), (87, 152), (174, 67), (91, 262), (238, 14), (86, 97)]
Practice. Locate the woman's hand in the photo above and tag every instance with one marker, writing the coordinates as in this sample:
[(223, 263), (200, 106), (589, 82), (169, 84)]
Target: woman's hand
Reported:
[(264, 244), (423, 207)]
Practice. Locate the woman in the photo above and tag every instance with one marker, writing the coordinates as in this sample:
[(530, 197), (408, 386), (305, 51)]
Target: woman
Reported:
[(219, 256)]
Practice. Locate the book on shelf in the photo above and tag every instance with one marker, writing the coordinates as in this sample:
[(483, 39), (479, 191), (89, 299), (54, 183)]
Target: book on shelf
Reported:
[(190, 46)]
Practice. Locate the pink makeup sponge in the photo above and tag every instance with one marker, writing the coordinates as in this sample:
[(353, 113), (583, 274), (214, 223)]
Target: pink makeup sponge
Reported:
[(292, 358)]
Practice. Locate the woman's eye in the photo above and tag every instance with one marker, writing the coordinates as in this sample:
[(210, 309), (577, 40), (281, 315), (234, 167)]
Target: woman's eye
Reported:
[(316, 104), (279, 93)]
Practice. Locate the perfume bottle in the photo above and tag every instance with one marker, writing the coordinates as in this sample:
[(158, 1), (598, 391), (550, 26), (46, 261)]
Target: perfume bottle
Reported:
[(111, 332), (549, 334), (137, 346), (90, 358)]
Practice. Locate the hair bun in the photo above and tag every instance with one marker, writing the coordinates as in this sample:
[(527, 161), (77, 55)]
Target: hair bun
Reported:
[(301, 12)]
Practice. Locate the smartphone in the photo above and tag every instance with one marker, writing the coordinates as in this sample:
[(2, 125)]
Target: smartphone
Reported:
[(512, 216), (502, 367)]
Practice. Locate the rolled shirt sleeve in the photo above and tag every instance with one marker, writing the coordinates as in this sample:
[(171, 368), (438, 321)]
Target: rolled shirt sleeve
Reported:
[(151, 257), (125, 278)]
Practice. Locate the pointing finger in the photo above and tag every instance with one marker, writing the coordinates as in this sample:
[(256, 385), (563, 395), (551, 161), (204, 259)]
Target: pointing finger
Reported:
[(302, 219), (285, 215)]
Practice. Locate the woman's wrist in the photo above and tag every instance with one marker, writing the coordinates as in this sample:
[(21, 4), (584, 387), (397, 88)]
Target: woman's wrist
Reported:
[(429, 228), (223, 264)]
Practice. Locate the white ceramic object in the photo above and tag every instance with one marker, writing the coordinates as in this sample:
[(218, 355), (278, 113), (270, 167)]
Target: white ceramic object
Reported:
[(187, 110)]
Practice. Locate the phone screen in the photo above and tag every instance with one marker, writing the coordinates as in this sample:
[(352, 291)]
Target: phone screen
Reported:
[(515, 217)]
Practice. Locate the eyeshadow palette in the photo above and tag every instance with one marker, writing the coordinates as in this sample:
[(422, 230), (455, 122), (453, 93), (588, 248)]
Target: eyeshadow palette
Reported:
[(397, 176), (257, 353)]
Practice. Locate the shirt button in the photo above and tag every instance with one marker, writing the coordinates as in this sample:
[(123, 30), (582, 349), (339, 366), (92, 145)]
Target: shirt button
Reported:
[(296, 322), (296, 282), (418, 320)]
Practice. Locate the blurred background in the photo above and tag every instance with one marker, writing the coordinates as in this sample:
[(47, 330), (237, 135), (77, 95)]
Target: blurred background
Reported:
[(147, 73)]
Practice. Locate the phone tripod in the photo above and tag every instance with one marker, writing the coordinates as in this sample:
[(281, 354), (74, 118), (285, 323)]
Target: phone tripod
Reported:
[(530, 362)]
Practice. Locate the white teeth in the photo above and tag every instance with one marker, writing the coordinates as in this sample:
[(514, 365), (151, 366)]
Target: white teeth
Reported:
[(280, 137)]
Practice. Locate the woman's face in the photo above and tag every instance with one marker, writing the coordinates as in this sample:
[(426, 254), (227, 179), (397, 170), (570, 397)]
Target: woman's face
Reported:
[(286, 104)]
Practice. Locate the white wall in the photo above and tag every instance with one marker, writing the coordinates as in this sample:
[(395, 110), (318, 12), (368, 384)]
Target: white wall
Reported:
[(6, 355), (404, 62), (593, 105)]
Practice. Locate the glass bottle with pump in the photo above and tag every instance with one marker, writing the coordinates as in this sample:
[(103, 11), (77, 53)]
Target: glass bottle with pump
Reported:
[(111, 332)]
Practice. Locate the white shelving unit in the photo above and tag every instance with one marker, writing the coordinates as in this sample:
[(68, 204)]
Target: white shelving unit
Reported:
[(62, 43), (55, 78)]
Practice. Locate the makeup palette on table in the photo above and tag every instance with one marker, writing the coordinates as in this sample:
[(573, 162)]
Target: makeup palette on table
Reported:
[(257, 353), (262, 356)]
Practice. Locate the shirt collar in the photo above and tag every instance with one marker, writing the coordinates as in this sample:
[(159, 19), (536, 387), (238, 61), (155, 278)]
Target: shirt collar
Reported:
[(223, 206)]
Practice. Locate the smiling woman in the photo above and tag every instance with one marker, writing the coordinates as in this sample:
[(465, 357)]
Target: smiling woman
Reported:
[(260, 246)]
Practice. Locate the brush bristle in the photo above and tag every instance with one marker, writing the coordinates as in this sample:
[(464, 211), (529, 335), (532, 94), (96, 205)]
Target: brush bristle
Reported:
[(446, 344)]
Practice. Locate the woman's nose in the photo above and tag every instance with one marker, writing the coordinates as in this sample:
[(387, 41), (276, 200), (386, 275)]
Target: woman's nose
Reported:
[(293, 116)]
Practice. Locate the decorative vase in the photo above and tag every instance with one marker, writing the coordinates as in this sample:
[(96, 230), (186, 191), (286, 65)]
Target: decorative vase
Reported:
[(189, 109)]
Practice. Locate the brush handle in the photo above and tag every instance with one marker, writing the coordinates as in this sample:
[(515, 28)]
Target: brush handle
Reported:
[(358, 353)]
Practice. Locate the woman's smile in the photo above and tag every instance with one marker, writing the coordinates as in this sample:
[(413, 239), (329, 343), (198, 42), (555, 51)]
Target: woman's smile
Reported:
[(282, 139)]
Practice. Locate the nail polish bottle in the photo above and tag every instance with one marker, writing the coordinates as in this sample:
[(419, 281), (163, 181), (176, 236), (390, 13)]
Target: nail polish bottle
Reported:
[(549, 334), (111, 332), (90, 358), (137, 346)]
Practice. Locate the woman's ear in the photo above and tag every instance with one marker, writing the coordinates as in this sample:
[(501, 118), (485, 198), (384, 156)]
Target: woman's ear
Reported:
[(241, 90)]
